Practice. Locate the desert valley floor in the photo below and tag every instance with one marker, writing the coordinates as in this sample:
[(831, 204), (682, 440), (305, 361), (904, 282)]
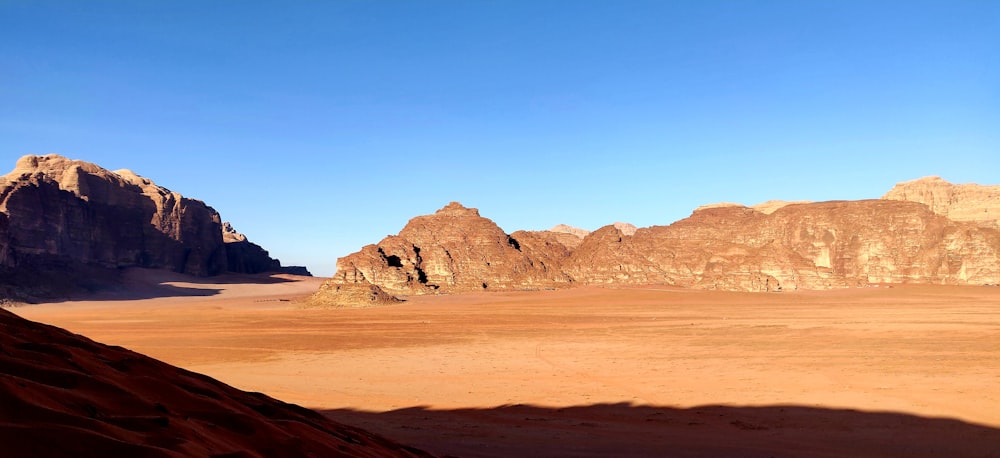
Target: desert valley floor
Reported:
[(901, 371)]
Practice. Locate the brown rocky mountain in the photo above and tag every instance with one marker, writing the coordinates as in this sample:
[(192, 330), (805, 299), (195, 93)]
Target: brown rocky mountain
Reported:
[(66, 224), (452, 250), (729, 247), (62, 394), (960, 202)]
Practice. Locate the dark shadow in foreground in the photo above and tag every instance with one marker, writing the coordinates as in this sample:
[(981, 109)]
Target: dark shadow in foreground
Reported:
[(638, 430)]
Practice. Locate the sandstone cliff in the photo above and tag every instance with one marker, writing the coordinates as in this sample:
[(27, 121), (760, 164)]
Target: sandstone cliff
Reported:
[(812, 246), (960, 202), (68, 224), (788, 245), (453, 250)]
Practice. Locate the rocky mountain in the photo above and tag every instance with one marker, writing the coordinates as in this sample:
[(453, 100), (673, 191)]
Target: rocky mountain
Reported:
[(452, 250), (801, 246), (960, 202), (66, 224), (62, 394), (771, 247)]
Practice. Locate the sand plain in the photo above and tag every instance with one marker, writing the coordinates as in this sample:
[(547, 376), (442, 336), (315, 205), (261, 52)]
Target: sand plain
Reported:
[(904, 371)]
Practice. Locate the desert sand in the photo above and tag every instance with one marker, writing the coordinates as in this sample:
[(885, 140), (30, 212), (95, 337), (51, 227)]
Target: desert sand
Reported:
[(903, 371)]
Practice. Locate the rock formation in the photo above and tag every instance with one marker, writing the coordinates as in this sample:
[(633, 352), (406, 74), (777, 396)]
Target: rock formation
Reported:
[(772, 205), (781, 246), (625, 228), (62, 394), (244, 256), (68, 224), (452, 250), (332, 295), (960, 202), (566, 229), (811, 246)]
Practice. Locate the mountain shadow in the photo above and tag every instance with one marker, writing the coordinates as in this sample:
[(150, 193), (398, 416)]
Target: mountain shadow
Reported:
[(136, 283), (606, 430)]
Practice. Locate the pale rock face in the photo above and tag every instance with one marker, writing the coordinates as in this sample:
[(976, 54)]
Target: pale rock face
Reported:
[(963, 202), (773, 205), (566, 229), (625, 228), (230, 235)]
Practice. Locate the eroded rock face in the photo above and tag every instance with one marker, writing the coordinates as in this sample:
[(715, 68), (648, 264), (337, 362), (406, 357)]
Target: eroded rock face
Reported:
[(360, 294), (452, 250), (244, 256), (728, 247), (960, 202), (811, 246), (62, 217)]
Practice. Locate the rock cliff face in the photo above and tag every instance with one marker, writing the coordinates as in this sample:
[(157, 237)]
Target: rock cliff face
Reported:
[(786, 246), (244, 256), (66, 223), (811, 246), (959, 202)]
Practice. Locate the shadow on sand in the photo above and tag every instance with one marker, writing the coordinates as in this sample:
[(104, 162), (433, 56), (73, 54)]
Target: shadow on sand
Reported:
[(638, 430), (138, 284)]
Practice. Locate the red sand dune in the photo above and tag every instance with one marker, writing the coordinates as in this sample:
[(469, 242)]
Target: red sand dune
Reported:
[(62, 394)]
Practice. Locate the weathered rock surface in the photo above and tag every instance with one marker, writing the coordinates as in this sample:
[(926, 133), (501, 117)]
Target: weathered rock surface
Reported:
[(790, 245), (567, 229), (244, 256), (811, 246), (68, 224), (625, 228), (772, 205), (349, 295), (960, 202), (452, 250), (65, 395)]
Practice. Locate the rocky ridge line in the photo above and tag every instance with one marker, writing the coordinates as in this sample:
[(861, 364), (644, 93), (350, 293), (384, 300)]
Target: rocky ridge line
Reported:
[(782, 246)]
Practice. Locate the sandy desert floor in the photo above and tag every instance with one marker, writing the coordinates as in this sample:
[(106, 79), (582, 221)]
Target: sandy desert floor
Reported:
[(902, 371)]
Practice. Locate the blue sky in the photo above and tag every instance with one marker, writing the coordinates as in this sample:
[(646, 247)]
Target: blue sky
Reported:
[(319, 127)]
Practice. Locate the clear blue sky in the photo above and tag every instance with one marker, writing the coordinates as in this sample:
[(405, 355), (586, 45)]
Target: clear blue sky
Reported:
[(319, 127)]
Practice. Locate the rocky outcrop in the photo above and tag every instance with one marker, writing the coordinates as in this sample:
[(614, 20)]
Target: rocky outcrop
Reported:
[(960, 202), (65, 395), (332, 295), (791, 245), (453, 250), (811, 246), (567, 229), (69, 223), (772, 205), (244, 256)]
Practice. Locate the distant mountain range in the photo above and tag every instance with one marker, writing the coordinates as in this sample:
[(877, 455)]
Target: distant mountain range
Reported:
[(922, 231)]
